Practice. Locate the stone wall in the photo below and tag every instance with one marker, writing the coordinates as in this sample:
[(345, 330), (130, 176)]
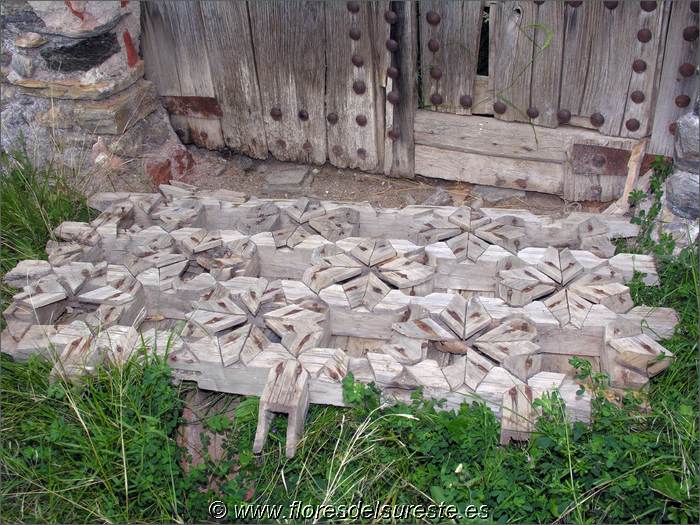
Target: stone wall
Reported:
[(74, 95)]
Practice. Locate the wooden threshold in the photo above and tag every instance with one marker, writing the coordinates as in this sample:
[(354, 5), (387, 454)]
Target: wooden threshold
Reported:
[(487, 151)]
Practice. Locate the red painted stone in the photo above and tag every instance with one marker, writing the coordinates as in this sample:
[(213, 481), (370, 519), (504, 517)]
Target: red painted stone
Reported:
[(73, 10), (124, 3), (159, 172), (183, 161), (132, 57)]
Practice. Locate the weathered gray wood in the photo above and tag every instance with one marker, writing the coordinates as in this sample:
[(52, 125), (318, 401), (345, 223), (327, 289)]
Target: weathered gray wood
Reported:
[(646, 82), (181, 25), (457, 34), (289, 42), (577, 46), (547, 62), (227, 32), (610, 63), (672, 84), (399, 154), (514, 32), (351, 145)]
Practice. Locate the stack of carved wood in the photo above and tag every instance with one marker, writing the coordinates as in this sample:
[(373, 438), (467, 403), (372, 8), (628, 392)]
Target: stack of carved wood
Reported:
[(284, 298)]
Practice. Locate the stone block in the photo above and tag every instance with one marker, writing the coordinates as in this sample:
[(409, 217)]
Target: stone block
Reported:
[(288, 179), (686, 154), (682, 193)]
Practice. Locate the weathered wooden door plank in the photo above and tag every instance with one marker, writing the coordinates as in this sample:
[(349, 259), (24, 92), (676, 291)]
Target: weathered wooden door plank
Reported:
[(289, 41), (399, 159), (547, 63), (513, 48), (639, 26), (230, 50), (452, 29), (577, 48), (673, 83), (353, 85)]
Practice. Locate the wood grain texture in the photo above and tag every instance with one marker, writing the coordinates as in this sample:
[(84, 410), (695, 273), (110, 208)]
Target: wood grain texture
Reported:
[(235, 82), (400, 154), (458, 34), (180, 56), (547, 62), (289, 41), (678, 51), (545, 177), (610, 63), (351, 145), (577, 46), (513, 43), (654, 21)]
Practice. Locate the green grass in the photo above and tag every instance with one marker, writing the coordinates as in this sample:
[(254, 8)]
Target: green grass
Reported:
[(105, 452), (33, 202)]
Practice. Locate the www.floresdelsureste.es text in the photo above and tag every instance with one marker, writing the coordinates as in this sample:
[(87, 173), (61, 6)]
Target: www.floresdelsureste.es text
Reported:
[(359, 510)]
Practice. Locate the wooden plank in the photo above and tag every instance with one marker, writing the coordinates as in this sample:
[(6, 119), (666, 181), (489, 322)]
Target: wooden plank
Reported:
[(547, 62), (612, 54), (577, 47), (513, 44), (672, 84), (545, 177), (184, 21), (455, 61), (488, 136), (157, 44), (400, 154), (289, 43), (352, 90), (227, 28), (639, 22)]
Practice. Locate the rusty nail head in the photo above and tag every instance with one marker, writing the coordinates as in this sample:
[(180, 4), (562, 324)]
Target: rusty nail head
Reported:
[(355, 33), (393, 97), (610, 5), (573, 3), (690, 33), (539, 2), (672, 128), (436, 72), (694, 6), (686, 70), (337, 150), (647, 6), (433, 18), (332, 118), (465, 101), (362, 153), (392, 45), (359, 87), (499, 107), (533, 112), (282, 144), (390, 17), (598, 160), (632, 124), (597, 119), (563, 116), (436, 99), (361, 120), (433, 45), (639, 66), (394, 134), (637, 97), (392, 72), (353, 7), (276, 113), (357, 61), (682, 101), (644, 35), (307, 146), (303, 114)]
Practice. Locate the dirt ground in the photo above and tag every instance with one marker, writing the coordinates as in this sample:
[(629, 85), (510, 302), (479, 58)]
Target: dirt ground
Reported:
[(215, 170)]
